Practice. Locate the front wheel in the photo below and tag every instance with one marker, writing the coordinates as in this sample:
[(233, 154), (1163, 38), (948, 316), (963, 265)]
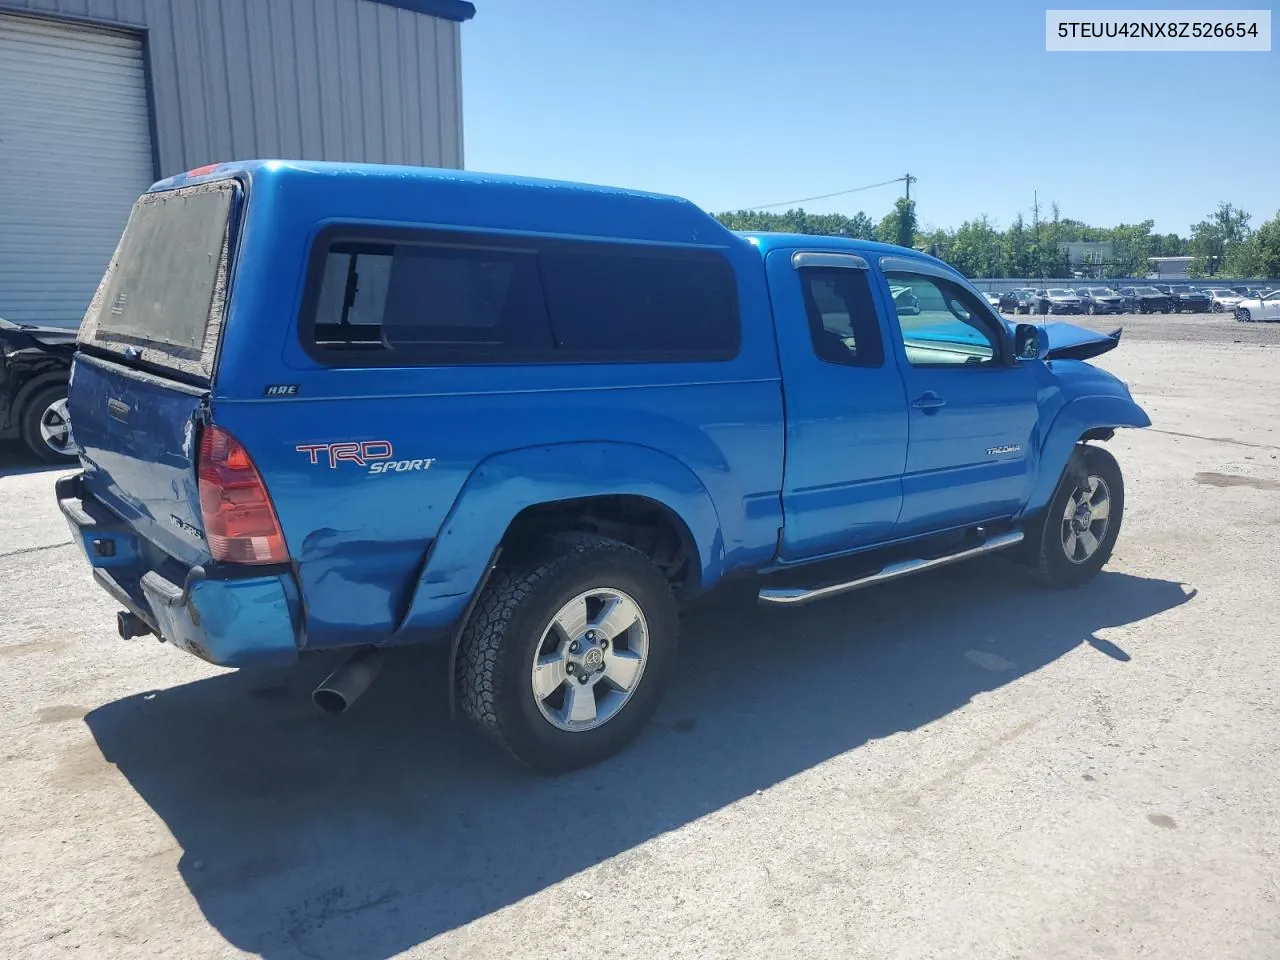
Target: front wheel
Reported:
[(1244, 316), (1078, 531), (567, 652)]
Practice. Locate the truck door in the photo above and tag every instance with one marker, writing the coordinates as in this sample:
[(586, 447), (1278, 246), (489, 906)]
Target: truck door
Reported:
[(846, 409), (973, 412)]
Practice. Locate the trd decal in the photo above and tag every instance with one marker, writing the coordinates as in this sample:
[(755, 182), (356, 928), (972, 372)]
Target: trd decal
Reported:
[(400, 466), (376, 456)]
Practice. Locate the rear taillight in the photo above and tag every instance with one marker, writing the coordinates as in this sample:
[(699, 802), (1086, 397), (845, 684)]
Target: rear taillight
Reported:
[(239, 522)]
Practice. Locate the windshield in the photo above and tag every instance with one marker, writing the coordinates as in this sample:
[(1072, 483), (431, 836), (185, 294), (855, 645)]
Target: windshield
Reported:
[(1148, 291), (1222, 293), (163, 292), (1059, 292), (1102, 292)]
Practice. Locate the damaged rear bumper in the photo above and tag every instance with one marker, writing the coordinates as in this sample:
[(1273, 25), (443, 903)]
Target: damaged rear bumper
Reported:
[(230, 616)]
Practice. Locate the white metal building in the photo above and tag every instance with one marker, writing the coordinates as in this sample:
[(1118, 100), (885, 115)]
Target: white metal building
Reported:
[(100, 98)]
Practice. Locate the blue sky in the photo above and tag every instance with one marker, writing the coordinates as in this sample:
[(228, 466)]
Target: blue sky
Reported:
[(739, 103)]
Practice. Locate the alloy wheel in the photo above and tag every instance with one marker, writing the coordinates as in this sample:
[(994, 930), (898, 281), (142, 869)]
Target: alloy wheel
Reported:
[(1085, 519), (590, 659), (55, 428)]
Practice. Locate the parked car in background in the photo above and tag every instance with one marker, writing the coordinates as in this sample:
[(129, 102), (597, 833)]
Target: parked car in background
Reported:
[(1016, 301), (1254, 292), (993, 299), (1190, 300), (905, 301), (1145, 300), (1058, 300), (1100, 300), (35, 363), (1223, 298), (1264, 309)]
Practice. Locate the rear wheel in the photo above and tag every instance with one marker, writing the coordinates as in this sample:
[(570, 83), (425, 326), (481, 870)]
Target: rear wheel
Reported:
[(567, 652), (1075, 537), (46, 425)]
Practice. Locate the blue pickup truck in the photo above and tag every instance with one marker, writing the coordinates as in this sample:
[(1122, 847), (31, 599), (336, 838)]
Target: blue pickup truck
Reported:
[(328, 406)]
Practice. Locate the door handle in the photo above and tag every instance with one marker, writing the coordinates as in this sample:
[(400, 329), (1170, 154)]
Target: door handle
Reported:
[(929, 403)]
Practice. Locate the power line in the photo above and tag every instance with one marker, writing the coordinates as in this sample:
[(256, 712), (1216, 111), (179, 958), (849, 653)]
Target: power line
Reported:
[(838, 193)]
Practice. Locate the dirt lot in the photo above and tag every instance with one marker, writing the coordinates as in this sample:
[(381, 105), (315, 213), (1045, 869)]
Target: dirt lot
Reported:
[(959, 765)]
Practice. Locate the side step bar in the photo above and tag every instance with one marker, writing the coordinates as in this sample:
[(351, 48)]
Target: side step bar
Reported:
[(903, 568)]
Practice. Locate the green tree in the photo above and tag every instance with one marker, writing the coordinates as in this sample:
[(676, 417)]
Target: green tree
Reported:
[(977, 250), (936, 242), (899, 225), (1168, 245), (1245, 259), (1215, 238), (1267, 238), (1017, 248), (1132, 245)]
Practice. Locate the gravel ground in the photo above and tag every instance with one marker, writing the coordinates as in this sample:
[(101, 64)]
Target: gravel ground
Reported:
[(958, 765)]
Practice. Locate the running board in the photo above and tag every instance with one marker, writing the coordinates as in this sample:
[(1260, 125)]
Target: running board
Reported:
[(903, 568)]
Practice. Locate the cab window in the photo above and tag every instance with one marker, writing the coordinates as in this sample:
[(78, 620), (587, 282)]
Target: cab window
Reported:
[(941, 323), (842, 316)]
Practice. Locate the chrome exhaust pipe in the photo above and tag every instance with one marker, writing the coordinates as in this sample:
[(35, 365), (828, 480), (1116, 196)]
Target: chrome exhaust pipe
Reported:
[(345, 685)]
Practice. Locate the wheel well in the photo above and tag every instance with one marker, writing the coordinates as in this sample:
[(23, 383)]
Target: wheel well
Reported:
[(1097, 433), (649, 526)]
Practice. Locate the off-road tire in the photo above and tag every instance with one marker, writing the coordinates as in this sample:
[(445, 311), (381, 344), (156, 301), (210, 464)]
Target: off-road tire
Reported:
[(1042, 550), (495, 655)]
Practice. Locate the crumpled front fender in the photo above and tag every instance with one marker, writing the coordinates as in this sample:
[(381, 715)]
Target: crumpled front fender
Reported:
[(1076, 418)]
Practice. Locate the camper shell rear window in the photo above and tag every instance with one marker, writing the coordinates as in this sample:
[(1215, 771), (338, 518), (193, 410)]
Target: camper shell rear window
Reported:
[(163, 297), (378, 297)]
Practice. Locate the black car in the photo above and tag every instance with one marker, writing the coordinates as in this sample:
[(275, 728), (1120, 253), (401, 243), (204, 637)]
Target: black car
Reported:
[(35, 364), (1190, 300), (1145, 300), (1100, 300), (1016, 301)]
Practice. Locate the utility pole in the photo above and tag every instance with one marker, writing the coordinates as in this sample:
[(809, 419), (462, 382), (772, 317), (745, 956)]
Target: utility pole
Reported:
[(909, 180)]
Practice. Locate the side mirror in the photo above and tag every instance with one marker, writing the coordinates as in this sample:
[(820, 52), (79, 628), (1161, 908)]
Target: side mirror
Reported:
[(1030, 342)]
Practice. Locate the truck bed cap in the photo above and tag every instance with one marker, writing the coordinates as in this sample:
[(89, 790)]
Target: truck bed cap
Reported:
[(467, 199)]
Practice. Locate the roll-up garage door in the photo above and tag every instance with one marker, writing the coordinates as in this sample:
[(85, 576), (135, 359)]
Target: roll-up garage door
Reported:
[(75, 152)]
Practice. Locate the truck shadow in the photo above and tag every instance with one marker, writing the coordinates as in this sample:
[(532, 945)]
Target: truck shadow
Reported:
[(364, 836)]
